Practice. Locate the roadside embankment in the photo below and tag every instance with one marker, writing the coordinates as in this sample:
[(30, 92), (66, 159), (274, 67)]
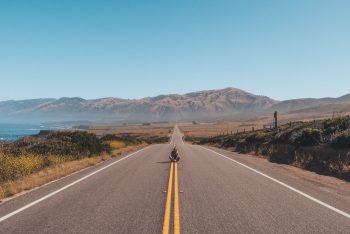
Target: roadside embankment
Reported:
[(319, 146), (36, 160)]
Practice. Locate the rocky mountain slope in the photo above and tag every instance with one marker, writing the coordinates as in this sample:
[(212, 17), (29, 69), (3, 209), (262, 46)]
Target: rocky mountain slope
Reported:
[(210, 104)]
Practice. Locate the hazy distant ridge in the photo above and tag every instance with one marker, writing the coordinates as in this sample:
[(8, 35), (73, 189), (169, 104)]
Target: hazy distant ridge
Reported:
[(209, 104)]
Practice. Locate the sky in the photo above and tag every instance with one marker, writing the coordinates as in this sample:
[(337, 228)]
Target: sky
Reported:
[(283, 49)]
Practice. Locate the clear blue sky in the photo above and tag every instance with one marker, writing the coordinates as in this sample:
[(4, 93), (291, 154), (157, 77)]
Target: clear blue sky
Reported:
[(131, 49)]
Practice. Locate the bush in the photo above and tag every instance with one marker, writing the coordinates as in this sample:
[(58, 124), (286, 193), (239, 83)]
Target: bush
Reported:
[(127, 139), (336, 125), (310, 137), (258, 138), (15, 167), (73, 143), (342, 141), (116, 144), (155, 139)]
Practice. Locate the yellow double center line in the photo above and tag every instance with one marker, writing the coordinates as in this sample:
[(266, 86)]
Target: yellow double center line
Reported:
[(166, 223), (176, 203), (168, 201)]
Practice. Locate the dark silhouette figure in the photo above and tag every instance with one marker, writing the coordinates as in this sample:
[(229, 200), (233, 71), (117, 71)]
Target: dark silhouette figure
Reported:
[(174, 156)]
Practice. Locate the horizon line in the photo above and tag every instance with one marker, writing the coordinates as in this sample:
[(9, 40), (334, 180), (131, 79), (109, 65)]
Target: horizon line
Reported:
[(165, 94)]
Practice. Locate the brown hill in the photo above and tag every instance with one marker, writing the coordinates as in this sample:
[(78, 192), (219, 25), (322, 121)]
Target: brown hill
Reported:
[(203, 105)]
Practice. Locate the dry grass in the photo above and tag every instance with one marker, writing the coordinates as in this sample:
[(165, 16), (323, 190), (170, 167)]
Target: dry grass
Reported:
[(209, 129), (221, 127), (159, 129), (117, 144), (215, 128), (56, 171)]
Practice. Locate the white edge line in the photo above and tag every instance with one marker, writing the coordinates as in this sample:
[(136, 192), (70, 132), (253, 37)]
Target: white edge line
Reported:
[(63, 188), (285, 185)]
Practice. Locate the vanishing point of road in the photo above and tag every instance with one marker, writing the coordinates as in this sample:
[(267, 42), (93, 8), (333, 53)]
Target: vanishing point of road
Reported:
[(207, 191)]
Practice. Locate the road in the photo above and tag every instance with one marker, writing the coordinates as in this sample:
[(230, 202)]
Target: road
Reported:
[(212, 191)]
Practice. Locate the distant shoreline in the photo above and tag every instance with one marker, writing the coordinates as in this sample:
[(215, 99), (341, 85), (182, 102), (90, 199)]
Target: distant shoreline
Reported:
[(12, 132)]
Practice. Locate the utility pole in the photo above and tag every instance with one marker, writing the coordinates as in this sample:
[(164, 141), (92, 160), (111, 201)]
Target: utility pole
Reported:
[(275, 116)]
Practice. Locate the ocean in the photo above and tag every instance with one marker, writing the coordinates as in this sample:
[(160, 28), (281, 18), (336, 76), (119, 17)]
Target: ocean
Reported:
[(11, 132)]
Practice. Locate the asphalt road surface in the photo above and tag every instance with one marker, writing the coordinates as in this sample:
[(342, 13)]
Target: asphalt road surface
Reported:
[(212, 191)]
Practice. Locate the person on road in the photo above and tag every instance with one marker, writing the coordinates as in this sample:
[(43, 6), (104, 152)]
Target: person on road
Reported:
[(174, 156)]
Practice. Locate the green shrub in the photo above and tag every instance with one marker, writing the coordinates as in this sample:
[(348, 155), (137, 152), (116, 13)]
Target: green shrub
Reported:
[(74, 143), (310, 137), (336, 125), (258, 138), (127, 139), (342, 141)]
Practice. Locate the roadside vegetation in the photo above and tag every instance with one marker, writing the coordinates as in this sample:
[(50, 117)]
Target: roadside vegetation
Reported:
[(35, 160), (322, 146)]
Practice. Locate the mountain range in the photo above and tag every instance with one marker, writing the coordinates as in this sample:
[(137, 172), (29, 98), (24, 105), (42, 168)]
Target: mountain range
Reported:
[(228, 103)]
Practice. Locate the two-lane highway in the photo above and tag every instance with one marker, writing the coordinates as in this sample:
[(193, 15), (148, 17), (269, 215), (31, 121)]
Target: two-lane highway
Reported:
[(220, 193)]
